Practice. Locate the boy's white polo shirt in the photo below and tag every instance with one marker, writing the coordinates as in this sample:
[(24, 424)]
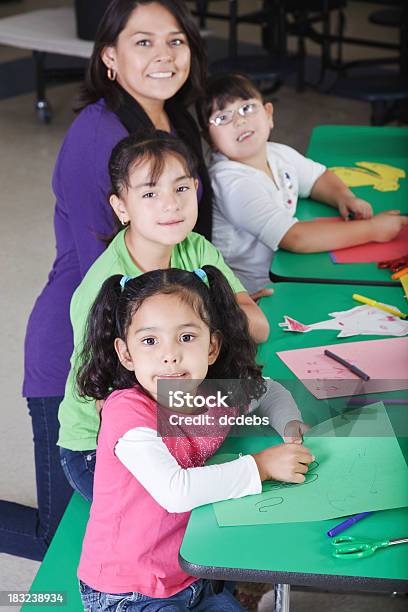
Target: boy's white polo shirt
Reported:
[(252, 212)]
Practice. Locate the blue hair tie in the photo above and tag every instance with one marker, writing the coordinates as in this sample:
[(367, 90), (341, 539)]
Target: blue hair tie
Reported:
[(123, 281), (202, 275)]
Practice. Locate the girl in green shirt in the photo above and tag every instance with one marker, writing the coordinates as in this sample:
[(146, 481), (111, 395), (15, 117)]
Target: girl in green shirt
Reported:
[(154, 196)]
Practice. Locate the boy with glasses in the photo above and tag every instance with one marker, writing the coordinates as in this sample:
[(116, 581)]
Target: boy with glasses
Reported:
[(257, 183)]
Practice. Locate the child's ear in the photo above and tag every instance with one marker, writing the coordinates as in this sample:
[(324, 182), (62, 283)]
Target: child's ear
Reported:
[(119, 209), (123, 354), (214, 348), (108, 56), (196, 184), (269, 112)]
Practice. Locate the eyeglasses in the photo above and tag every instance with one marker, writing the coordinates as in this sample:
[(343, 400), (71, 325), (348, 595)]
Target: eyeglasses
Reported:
[(245, 110)]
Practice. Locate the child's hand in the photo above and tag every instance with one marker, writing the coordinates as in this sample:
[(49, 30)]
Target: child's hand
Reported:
[(286, 462), (358, 207), (387, 225), (262, 293), (294, 430)]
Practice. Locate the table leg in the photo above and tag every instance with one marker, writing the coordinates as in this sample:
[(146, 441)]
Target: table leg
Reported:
[(233, 26), (42, 106), (282, 597)]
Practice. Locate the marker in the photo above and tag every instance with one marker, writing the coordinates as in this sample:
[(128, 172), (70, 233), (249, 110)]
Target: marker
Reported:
[(370, 302), (399, 274), (347, 523), (347, 365)]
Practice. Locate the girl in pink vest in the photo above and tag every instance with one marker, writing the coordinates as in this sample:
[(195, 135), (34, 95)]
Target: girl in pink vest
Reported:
[(164, 335)]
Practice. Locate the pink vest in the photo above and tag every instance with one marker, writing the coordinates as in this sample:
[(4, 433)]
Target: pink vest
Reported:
[(132, 543)]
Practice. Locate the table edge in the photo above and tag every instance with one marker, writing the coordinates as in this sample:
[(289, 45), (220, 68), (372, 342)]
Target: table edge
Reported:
[(325, 581), (277, 278)]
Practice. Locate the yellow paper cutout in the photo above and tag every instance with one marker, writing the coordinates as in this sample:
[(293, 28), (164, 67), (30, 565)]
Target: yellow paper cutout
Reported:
[(382, 177), (404, 283)]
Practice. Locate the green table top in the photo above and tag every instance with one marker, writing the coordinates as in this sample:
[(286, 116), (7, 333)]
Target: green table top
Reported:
[(310, 303), (57, 573), (343, 146), (300, 553)]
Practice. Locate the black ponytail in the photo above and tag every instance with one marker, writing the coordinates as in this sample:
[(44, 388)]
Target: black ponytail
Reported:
[(237, 358), (101, 371)]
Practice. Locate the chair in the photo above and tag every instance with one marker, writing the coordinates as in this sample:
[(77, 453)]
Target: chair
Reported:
[(390, 18), (279, 19), (303, 16), (384, 93), (366, 80), (273, 63)]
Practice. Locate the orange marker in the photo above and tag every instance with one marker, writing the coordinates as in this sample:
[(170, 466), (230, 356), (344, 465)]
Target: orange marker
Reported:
[(399, 274)]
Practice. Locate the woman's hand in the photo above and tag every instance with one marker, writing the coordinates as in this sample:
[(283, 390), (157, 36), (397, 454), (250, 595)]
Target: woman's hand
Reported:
[(293, 432), (286, 462)]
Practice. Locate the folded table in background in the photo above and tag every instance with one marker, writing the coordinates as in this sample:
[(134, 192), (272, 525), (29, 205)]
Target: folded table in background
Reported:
[(47, 31)]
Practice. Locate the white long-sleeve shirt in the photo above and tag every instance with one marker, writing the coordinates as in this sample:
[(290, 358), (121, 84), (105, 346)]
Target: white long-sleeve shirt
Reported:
[(177, 489)]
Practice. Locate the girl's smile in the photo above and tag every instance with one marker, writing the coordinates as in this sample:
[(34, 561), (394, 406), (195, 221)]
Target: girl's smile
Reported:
[(171, 222), (245, 135), (174, 375)]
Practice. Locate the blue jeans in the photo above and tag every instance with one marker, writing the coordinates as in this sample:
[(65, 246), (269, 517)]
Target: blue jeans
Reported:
[(79, 468), (199, 596), (25, 531)]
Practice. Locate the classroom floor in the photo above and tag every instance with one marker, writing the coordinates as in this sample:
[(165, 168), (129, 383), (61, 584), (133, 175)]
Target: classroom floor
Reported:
[(27, 151)]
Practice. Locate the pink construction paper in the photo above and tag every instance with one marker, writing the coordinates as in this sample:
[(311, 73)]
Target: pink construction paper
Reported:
[(385, 361), (373, 251)]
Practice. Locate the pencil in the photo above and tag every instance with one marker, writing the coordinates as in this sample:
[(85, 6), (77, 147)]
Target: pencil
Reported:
[(347, 365)]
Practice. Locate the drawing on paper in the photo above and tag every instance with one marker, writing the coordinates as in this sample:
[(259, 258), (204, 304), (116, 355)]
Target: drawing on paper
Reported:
[(272, 486)]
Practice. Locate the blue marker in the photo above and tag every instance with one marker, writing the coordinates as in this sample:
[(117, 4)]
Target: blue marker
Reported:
[(347, 523)]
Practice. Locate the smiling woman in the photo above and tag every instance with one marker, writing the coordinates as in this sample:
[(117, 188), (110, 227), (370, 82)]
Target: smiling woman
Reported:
[(150, 60), (147, 66)]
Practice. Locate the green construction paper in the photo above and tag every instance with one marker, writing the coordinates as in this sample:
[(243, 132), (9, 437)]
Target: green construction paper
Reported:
[(370, 420), (350, 475)]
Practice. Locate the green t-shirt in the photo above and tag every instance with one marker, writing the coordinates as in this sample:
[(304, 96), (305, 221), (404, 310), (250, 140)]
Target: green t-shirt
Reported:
[(79, 421)]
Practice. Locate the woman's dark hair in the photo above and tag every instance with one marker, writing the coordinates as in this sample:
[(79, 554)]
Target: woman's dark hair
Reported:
[(100, 371), (97, 85), (130, 113), (221, 89), (154, 147)]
